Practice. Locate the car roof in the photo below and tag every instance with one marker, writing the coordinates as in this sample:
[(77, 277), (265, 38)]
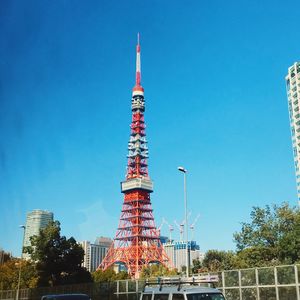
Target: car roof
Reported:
[(67, 296), (183, 289)]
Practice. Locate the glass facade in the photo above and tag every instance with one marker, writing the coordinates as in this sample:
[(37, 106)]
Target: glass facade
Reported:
[(177, 253), (35, 220), (293, 93)]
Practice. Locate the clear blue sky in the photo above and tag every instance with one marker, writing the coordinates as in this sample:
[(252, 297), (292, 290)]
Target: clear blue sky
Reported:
[(213, 73)]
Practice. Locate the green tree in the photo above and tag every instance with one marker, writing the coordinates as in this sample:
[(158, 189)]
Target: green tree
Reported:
[(271, 237), (256, 256), (9, 274), (262, 231), (197, 265), (215, 260), (289, 242), (157, 270), (122, 275), (58, 259), (109, 275), (146, 272)]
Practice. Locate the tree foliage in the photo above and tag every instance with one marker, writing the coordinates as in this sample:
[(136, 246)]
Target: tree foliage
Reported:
[(58, 259), (157, 270), (215, 260), (272, 237), (197, 265), (109, 275), (9, 274)]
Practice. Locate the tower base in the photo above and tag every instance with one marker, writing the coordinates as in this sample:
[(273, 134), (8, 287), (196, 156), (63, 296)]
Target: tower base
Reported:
[(135, 257)]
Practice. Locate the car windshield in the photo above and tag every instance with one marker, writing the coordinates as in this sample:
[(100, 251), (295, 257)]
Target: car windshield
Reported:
[(205, 296)]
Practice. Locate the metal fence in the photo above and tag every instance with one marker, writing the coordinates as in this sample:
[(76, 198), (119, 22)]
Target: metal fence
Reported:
[(269, 283)]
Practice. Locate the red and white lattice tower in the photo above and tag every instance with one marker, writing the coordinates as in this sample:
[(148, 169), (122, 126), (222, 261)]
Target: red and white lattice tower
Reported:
[(137, 242)]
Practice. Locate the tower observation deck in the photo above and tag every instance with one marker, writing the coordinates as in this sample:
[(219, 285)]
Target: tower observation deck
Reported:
[(137, 242)]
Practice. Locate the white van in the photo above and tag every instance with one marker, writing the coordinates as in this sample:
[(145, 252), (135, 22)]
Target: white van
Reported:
[(181, 289)]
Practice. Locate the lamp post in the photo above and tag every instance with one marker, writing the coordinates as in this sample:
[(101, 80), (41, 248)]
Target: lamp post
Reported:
[(184, 171), (20, 268)]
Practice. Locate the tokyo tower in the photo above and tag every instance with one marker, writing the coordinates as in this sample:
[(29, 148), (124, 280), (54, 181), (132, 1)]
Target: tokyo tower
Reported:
[(137, 242)]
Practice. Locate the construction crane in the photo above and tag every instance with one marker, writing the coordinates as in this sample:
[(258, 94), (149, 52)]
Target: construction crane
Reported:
[(181, 226), (192, 226), (158, 229), (171, 228)]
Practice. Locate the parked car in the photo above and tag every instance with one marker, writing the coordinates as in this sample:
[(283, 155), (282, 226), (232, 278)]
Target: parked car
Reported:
[(66, 297)]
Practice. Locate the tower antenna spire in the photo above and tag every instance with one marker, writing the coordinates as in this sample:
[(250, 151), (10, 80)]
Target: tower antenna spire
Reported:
[(138, 63)]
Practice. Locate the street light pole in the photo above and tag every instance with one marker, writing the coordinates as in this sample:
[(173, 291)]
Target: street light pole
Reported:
[(184, 171), (20, 268)]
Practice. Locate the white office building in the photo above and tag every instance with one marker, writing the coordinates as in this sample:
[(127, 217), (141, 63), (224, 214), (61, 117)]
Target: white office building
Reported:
[(94, 253), (293, 93), (176, 251), (35, 221)]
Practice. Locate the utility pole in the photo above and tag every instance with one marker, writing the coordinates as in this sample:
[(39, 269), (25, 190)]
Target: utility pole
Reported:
[(184, 171)]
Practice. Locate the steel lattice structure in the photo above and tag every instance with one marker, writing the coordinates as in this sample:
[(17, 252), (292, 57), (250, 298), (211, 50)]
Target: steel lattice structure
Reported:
[(137, 242)]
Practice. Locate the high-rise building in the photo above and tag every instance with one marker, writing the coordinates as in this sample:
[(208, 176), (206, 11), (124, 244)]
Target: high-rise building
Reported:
[(94, 253), (177, 253), (293, 93), (36, 220), (4, 256)]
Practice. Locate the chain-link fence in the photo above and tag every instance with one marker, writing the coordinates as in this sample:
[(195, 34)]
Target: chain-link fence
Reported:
[(269, 283)]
